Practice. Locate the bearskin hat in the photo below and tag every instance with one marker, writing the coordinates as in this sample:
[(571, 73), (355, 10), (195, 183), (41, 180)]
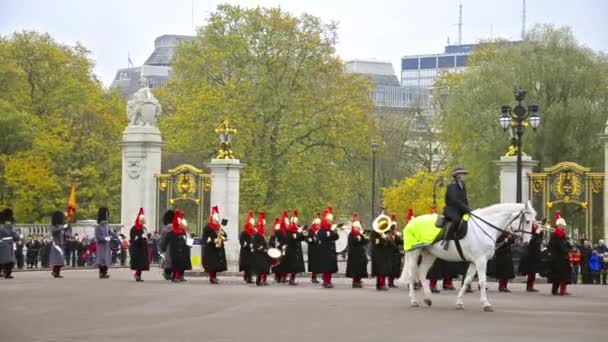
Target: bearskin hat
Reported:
[(7, 216), (58, 218), (168, 217), (103, 214)]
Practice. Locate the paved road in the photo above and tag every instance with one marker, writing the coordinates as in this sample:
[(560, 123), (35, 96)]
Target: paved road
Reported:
[(80, 307)]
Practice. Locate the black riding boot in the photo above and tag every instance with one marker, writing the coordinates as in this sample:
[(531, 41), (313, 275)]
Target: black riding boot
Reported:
[(446, 235)]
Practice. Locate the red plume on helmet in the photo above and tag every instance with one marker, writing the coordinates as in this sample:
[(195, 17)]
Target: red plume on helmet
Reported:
[(261, 225), (214, 218), (177, 222), (410, 215), (293, 225), (284, 222), (138, 224), (558, 215), (393, 221), (249, 224), (328, 218), (277, 223)]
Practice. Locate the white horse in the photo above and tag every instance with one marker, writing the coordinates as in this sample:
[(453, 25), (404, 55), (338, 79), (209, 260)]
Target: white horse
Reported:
[(484, 228)]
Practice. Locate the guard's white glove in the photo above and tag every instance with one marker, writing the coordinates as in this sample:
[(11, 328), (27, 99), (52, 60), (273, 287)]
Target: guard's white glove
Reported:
[(136, 237), (359, 237), (108, 238), (208, 239)]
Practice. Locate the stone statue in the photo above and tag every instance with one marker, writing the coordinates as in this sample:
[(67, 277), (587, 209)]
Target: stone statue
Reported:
[(143, 109)]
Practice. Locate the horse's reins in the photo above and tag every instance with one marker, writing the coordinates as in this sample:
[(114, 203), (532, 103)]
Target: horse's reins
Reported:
[(520, 216)]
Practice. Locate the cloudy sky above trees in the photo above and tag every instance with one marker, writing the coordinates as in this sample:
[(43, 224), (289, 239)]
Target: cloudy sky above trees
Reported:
[(381, 29)]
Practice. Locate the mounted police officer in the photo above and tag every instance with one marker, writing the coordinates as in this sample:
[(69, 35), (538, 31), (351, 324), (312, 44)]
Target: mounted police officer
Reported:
[(456, 204)]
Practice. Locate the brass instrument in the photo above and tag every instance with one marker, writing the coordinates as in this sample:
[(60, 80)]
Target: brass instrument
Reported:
[(219, 240), (381, 225)]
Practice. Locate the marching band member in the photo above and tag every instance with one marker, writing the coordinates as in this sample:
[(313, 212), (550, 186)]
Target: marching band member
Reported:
[(104, 235), (214, 255), (503, 262), (294, 257), (260, 263), (176, 244), (313, 252), (560, 265), (356, 266), (279, 241), (8, 238), (381, 251), (246, 253), (165, 261), (57, 245), (528, 265), (397, 253), (138, 247), (328, 258)]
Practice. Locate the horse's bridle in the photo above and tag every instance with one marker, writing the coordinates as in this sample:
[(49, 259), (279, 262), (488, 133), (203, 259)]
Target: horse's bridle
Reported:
[(521, 216)]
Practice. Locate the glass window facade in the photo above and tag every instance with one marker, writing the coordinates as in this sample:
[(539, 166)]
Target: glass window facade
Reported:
[(428, 63), (446, 62), (462, 61), (409, 63)]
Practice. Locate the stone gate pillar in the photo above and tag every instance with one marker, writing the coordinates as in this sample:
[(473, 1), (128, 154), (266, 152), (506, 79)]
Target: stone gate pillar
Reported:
[(225, 193), (141, 159), (508, 177)]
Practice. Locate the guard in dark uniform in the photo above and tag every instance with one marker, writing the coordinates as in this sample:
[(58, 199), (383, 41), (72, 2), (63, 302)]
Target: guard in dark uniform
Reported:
[(176, 244), (214, 254), (294, 257), (138, 248), (503, 262), (456, 204), (530, 263), (382, 250), (328, 258), (356, 265), (313, 252), (8, 239), (559, 265), (279, 241), (246, 252), (397, 253), (260, 264), (165, 259)]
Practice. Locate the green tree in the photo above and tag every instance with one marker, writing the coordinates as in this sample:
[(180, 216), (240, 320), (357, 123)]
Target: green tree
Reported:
[(414, 192), (60, 119), (567, 80), (303, 122)]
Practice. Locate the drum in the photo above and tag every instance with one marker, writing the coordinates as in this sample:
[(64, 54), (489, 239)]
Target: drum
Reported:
[(275, 256)]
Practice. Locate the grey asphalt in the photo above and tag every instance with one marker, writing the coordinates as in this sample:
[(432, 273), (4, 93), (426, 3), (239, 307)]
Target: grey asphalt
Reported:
[(81, 307)]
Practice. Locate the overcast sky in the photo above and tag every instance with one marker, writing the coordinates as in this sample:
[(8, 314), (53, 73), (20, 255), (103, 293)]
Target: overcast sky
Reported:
[(380, 29)]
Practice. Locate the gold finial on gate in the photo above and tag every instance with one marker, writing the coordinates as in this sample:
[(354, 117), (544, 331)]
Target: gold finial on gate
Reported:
[(226, 134)]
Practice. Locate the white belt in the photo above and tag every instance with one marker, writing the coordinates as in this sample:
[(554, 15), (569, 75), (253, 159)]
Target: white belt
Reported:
[(7, 238)]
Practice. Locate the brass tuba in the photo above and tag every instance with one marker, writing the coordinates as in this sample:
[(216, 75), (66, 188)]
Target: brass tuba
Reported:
[(381, 225)]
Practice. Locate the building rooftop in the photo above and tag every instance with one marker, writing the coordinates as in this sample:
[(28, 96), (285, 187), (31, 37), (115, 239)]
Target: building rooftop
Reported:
[(381, 72), (164, 49)]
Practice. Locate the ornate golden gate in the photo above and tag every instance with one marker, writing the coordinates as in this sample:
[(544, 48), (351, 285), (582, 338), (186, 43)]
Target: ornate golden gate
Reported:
[(185, 188), (568, 183)]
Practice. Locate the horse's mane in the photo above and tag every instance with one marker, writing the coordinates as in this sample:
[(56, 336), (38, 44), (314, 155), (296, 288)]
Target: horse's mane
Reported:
[(499, 208)]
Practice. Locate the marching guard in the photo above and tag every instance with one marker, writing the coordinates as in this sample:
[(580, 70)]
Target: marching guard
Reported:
[(138, 248), (176, 245), (246, 253), (382, 250), (104, 236), (294, 257), (328, 258), (165, 261), (279, 241), (8, 238), (529, 264), (560, 265), (397, 253), (503, 262), (313, 249), (356, 265), (260, 264), (57, 244), (214, 255)]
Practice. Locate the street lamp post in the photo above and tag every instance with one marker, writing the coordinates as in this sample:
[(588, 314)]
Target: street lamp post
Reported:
[(438, 182), (517, 119), (374, 147)]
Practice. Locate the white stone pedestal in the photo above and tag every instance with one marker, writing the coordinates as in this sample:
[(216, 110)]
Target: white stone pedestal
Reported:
[(225, 193), (508, 178), (141, 161), (604, 140)]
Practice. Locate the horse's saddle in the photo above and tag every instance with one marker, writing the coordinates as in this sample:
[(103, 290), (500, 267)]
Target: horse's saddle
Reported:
[(455, 233)]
